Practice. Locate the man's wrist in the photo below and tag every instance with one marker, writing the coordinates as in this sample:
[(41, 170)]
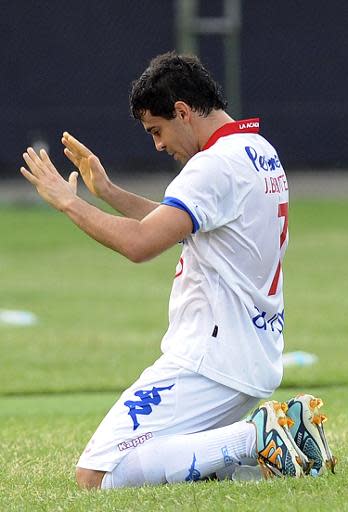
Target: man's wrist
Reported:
[(70, 204), (109, 191)]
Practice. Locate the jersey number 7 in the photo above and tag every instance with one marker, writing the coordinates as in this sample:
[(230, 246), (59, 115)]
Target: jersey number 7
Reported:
[(282, 212)]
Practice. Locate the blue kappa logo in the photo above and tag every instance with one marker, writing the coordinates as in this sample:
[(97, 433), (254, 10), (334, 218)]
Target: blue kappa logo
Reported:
[(194, 474), (143, 406)]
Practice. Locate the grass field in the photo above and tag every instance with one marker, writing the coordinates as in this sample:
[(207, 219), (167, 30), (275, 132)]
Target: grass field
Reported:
[(100, 323)]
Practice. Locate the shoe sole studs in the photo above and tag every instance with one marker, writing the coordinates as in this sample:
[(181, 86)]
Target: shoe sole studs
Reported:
[(318, 419), (280, 409)]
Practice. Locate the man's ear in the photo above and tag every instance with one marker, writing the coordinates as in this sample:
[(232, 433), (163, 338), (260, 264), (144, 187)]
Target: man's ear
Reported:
[(183, 110)]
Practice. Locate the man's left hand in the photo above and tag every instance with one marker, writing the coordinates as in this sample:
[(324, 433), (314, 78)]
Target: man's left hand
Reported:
[(51, 186)]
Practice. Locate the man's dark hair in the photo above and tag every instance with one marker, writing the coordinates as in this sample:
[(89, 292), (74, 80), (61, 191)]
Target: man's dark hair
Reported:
[(169, 78)]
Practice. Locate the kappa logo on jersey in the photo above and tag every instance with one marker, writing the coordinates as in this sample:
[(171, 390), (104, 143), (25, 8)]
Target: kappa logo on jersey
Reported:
[(143, 406), (194, 474)]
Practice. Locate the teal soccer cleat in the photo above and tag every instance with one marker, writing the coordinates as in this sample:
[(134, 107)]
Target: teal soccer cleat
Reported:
[(278, 454), (308, 432)]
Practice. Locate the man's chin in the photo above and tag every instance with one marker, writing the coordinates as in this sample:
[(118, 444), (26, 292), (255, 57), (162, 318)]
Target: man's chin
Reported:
[(182, 159)]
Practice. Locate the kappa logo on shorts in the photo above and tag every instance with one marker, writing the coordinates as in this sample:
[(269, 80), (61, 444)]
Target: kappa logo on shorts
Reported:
[(133, 443), (143, 406)]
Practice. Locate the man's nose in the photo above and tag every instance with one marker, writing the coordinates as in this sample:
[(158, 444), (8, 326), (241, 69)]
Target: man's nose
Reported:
[(160, 146)]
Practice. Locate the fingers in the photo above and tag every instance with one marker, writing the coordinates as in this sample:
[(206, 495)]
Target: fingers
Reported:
[(39, 165), (73, 181), (47, 161), (75, 146), (33, 161), (72, 157), (94, 163), (29, 176)]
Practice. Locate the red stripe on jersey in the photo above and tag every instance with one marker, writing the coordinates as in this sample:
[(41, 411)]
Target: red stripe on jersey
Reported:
[(179, 268), (243, 126), (274, 285)]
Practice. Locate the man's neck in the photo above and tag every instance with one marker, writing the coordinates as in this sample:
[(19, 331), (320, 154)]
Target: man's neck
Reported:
[(206, 126)]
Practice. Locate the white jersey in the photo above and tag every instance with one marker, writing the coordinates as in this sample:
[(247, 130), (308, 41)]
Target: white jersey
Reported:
[(226, 310)]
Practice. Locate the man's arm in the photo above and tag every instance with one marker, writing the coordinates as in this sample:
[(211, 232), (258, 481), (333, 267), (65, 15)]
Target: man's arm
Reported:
[(129, 204), (136, 240), (99, 184)]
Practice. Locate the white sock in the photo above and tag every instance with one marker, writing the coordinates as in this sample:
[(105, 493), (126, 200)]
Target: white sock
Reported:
[(182, 458), (128, 473)]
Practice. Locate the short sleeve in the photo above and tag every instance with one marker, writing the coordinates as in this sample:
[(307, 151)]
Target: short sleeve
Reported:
[(204, 190)]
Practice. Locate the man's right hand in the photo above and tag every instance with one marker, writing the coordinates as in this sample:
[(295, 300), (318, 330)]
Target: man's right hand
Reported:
[(91, 170)]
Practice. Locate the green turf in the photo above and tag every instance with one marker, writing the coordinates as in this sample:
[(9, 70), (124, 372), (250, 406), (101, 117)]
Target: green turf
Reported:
[(101, 321), (41, 438), (102, 317), (315, 291)]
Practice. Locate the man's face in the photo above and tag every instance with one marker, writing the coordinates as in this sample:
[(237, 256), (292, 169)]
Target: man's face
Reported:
[(175, 136)]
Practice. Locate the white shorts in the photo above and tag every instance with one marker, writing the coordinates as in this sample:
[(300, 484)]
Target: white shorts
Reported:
[(166, 399)]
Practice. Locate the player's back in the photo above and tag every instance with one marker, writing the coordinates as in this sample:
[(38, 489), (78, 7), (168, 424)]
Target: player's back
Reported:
[(252, 232), (226, 306)]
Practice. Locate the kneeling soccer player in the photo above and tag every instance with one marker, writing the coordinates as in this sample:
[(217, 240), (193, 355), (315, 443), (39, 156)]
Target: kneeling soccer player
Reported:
[(182, 420)]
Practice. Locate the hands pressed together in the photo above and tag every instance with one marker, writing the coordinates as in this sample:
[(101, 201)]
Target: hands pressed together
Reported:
[(51, 186)]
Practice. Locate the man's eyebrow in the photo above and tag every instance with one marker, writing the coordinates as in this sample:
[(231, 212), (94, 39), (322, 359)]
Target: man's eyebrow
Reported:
[(150, 128)]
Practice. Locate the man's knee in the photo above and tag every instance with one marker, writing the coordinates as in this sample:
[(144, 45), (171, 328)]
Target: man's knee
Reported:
[(89, 478)]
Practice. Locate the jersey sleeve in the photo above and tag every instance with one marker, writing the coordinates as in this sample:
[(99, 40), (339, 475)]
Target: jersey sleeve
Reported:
[(202, 189)]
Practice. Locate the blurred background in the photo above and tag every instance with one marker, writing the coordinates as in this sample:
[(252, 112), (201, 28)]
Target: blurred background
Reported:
[(68, 65), (78, 322)]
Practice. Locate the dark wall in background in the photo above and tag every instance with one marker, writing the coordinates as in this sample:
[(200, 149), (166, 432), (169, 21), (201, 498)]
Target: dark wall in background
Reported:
[(67, 65), (295, 75)]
